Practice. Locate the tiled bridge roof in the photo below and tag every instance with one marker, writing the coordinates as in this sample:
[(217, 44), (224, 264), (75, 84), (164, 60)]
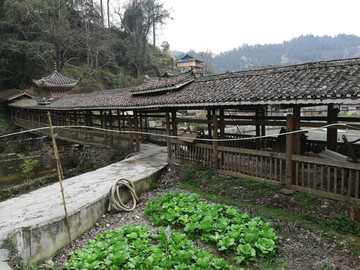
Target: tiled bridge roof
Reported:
[(322, 82)]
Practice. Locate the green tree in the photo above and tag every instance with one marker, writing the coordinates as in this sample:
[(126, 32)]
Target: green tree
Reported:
[(28, 165), (138, 19)]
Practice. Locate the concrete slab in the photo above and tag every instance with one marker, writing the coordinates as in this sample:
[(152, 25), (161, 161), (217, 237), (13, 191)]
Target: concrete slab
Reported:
[(4, 266), (35, 221), (4, 257)]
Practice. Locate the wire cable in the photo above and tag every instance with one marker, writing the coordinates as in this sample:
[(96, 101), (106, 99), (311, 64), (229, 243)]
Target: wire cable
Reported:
[(345, 125)]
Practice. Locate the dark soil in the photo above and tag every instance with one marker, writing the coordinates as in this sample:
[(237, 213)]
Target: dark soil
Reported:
[(301, 220)]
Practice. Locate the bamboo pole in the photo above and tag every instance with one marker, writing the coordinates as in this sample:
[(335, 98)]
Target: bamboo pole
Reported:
[(60, 178)]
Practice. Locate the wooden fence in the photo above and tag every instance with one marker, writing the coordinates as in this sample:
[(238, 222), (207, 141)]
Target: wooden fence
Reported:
[(325, 178)]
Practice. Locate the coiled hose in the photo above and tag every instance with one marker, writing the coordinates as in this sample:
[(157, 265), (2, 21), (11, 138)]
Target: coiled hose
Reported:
[(115, 202)]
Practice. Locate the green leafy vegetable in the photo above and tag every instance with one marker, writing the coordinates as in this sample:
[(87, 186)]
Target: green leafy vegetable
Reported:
[(129, 248), (225, 226)]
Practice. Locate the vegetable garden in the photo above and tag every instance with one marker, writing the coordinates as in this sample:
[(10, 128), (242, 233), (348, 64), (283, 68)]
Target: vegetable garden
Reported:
[(230, 234)]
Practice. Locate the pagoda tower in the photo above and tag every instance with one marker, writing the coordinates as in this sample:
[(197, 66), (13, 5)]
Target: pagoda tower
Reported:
[(56, 85)]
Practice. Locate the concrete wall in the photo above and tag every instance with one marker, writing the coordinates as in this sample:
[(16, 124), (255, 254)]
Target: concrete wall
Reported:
[(38, 243)]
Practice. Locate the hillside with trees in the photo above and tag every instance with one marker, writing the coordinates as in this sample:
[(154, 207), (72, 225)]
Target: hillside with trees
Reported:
[(83, 40), (298, 50)]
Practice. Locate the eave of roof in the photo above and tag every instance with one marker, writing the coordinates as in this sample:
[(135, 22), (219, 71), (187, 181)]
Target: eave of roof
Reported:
[(164, 84), (56, 79), (20, 94), (24, 103), (164, 89)]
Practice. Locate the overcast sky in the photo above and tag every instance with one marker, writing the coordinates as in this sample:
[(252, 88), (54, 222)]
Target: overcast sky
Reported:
[(221, 25)]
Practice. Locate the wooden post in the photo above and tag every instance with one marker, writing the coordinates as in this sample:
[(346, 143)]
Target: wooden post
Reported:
[(90, 119), (215, 143), (111, 119), (75, 118), (257, 128), (131, 140), (289, 149), (174, 133), (146, 125), (136, 128), (222, 126), (141, 126), (208, 116), (168, 132), (263, 128), (296, 126), (104, 125), (118, 119), (174, 123), (64, 119), (331, 135)]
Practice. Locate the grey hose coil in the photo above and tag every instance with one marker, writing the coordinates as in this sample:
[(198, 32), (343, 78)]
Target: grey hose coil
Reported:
[(115, 202)]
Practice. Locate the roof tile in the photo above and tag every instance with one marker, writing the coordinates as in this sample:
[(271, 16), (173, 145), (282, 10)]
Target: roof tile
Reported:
[(298, 83)]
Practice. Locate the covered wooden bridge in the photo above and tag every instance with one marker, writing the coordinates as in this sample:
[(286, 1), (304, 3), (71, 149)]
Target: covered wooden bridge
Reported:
[(204, 116)]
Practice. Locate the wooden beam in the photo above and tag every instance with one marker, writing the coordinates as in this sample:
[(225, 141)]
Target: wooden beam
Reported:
[(193, 120)]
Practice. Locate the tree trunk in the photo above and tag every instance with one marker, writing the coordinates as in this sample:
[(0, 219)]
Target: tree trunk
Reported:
[(101, 13), (154, 35), (108, 13)]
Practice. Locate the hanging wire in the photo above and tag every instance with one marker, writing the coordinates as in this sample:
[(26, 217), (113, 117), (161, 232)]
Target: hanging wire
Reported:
[(345, 125)]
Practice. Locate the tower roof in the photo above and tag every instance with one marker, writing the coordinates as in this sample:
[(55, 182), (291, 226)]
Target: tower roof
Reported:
[(56, 79)]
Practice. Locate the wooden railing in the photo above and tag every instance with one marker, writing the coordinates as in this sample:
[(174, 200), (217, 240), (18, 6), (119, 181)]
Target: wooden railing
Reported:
[(80, 135), (249, 142), (325, 178), (262, 165), (200, 154)]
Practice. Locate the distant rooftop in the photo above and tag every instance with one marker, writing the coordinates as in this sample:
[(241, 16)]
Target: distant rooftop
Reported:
[(188, 57)]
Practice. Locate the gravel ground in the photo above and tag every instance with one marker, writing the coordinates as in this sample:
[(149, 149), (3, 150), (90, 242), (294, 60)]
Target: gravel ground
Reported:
[(300, 248)]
